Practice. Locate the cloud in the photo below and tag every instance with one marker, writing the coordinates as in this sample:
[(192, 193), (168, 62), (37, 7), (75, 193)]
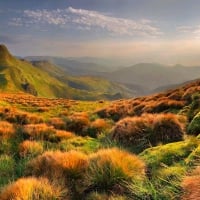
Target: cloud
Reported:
[(88, 20), (193, 31)]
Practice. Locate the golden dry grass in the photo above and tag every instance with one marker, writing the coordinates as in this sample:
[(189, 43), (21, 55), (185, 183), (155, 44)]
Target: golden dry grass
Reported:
[(64, 134), (39, 131), (56, 165), (191, 186), (31, 148), (7, 129), (31, 189)]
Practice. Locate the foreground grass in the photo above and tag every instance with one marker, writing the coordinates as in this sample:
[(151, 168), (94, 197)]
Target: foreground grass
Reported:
[(62, 150)]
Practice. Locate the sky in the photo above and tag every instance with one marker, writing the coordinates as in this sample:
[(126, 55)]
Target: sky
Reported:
[(125, 31)]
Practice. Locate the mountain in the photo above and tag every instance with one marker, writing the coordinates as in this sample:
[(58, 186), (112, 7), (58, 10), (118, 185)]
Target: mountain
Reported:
[(47, 80), (139, 79), (150, 76), (75, 66), (92, 84)]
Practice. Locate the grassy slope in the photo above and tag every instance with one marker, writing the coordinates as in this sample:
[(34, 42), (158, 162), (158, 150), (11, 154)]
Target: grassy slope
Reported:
[(166, 165), (48, 82), (91, 85)]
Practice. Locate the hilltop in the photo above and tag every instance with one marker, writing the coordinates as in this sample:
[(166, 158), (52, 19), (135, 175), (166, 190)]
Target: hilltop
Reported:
[(47, 80)]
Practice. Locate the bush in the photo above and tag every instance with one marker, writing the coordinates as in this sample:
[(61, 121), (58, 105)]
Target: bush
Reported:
[(58, 123), (39, 131), (167, 128), (64, 134), (31, 189), (147, 130), (6, 130), (110, 167), (96, 127), (66, 169), (77, 123), (59, 165), (30, 148)]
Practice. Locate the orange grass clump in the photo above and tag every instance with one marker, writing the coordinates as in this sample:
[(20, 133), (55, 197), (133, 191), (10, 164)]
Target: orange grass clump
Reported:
[(109, 167), (191, 186), (31, 148), (31, 189), (59, 165), (57, 122), (39, 131), (6, 129), (77, 122), (64, 134), (149, 128)]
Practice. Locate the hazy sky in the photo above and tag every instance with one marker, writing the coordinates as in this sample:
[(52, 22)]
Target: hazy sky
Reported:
[(165, 31)]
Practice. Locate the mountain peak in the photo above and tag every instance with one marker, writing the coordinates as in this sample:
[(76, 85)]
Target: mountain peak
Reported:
[(5, 56), (3, 49)]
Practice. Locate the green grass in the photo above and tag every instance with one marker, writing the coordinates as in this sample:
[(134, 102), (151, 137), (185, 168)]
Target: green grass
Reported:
[(46, 82)]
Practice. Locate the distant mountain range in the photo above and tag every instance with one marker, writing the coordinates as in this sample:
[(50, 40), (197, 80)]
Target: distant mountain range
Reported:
[(45, 79), (75, 67), (139, 79)]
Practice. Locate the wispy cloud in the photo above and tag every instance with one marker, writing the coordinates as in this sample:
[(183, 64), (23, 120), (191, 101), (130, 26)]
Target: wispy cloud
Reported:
[(88, 20), (193, 31)]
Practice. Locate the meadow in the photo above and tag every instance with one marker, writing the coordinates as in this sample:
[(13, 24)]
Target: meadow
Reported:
[(61, 149)]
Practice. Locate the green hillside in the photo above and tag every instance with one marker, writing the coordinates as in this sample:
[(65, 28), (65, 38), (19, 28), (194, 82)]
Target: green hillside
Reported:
[(146, 148), (48, 81)]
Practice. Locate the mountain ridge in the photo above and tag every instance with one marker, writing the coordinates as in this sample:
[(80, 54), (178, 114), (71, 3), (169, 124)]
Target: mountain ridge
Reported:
[(17, 75)]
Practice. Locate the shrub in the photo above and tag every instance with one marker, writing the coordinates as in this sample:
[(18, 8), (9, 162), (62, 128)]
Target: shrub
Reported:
[(7, 169), (148, 129), (39, 131), (17, 116), (96, 127), (131, 131), (64, 134), (30, 148), (58, 123), (191, 186), (167, 128), (6, 130), (31, 189), (77, 123), (59, 165), (110, 167)]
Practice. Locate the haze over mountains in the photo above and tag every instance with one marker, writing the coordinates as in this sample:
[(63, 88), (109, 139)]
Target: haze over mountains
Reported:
[(47, 80), (141, 79), (63, 77)]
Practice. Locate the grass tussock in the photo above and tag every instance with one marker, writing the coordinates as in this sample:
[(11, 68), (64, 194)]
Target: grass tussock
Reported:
[(31, 189), (191, 186), (77, 122), (7, 130), (149, 129), (39, 131), (59, 165), (30, 148), (60, 134), (110, 167)]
